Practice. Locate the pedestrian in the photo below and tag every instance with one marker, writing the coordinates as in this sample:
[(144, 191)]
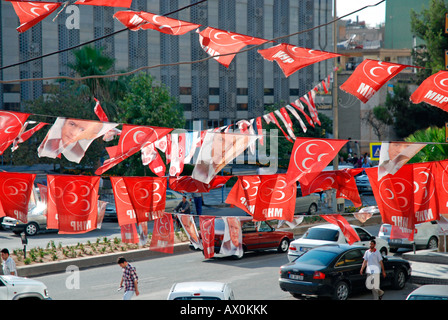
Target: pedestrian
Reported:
[(183, 206), (373, 260), (197, 197), (9, 266), (129, 278)]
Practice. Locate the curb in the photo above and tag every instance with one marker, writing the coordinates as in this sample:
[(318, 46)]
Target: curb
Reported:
[(96, 261)]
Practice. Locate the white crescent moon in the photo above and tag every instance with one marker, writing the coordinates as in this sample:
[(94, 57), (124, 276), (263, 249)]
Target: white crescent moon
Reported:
[(255, 193), (322, 155), (146, 192), (87, 191), (305, 161), (442, 82), (390, 68), (14, 193), (88, 205), (75, 196), (244, 183), (135, 136), (282, 197), (308, 148), (372, 73), (391, 194), (402, 187), (160, 197), (416, 187)]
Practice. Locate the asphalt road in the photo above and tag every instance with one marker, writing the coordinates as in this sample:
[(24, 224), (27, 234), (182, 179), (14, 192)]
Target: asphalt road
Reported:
[(255, 277)]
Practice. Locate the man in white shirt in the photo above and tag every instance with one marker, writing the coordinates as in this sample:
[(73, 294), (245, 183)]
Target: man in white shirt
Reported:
[(373, 260), (9, 266)]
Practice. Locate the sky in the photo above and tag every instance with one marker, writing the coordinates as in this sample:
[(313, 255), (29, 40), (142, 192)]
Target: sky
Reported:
[(372, 15)]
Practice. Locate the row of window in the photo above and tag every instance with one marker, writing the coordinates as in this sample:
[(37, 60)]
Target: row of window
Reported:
[(239, 91)]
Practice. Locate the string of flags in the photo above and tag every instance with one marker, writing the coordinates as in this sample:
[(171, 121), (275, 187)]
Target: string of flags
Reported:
[(406, 194)]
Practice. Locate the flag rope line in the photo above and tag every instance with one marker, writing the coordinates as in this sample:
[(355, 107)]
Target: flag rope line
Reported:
[(166, 64)]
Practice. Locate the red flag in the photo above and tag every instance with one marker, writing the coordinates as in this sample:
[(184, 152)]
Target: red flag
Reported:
[(31, 13), (187, 184), (298, 105), (99, 111), (123, 204), (350, 234), (291, 58), (129, 233), (11, 124), (25, 135), (217, 42), (135, 20), (310, 156), (207, 227), (434, 91), (131, 141), (369, 77), (309, 101), (296, 115), (72, 203), (284, 117), (163, 234), (341, 180), (442, 186), (270, 117), (259, 129), (15, 192), (106, 3), (147, 195), (265, 197), (152, 158)]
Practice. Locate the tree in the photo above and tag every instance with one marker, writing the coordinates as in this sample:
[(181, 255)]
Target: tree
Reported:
[(432, 152), (149, 104), (406, 117), (429, 25)]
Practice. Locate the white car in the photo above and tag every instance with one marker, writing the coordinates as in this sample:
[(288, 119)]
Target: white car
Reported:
[(201, 290), (326, 234), (426, 236), (430, 292), (17, 288)]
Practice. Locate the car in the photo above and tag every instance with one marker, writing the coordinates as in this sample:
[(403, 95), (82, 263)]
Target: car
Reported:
[(257, 236), (363, 183), (201, 290), (328, 234), (19, 288), (110, 214), (426, 236), (429, 292), (306, 204), (334, 271)]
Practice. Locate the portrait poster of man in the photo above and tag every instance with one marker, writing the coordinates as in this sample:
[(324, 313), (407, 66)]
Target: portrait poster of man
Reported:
[(72, 137), (218, 149), (232, 243)]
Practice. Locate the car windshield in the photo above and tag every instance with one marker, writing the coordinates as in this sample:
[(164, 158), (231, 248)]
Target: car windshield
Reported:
[(322, 234), (317, 257), (417, 297)]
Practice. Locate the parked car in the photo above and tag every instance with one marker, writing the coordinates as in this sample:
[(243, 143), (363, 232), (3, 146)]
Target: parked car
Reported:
[(329, 234), (334, 271), (19, 288), (425, 236), (363, 183), (202, 290), (111, 212), (429, 292), (257, 236), (173, 198), (306, 204)]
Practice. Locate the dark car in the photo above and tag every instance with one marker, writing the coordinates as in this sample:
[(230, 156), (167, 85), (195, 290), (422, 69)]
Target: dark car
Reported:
[(257, 235), (334, 271)]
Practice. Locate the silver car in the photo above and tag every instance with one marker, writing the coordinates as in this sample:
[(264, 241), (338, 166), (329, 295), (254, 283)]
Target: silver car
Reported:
[(306, 204)]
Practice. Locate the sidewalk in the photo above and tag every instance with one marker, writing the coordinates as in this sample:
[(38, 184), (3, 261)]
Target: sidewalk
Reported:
[(428, 266)]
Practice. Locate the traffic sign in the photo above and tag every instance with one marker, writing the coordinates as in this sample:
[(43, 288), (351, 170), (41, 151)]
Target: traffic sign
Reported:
[(375, 148)]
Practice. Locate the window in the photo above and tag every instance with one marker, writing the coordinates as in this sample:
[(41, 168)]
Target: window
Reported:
[(322, 234), (353, 257), (363, 235)]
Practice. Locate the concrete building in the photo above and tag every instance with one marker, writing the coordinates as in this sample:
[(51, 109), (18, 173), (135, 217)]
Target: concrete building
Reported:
[(208, 92)]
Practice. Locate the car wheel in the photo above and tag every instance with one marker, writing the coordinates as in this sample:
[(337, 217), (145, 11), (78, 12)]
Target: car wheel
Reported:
[(31, 229), (341, 291), (433, 243), (283, 246), (399, 279), (312, 209)]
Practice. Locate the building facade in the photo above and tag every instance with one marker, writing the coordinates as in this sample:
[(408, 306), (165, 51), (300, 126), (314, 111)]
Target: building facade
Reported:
[(207, 91)]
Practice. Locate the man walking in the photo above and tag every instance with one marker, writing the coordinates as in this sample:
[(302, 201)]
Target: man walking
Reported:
[(9, 266), (129, 278), (373, 260)]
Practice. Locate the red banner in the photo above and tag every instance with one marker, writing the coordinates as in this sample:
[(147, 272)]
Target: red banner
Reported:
[(350, 234), (135, 20), (207, 227), (72, 203), (123, 204), (434, 91), (369, 77), (187, 184), (218, 42), (132, 139), (265, 197), (147, 195), (291, 58), (341, 180), (31, 13), (106, 3), (163, 234), (310, 156), (129, 233), (15, 192), (11, 124)]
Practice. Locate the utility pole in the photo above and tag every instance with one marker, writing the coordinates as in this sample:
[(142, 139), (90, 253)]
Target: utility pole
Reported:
[(335, 101)]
